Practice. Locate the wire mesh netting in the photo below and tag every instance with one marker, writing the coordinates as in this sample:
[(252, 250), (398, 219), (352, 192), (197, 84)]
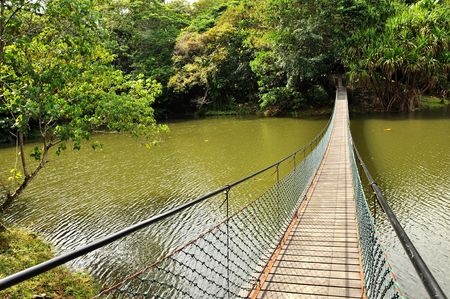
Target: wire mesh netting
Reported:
[(222, 249), (379, 281), (227, 260)]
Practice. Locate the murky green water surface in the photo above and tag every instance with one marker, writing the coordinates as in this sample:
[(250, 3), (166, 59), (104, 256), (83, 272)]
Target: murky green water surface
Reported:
[(409, 157), (84, 195)]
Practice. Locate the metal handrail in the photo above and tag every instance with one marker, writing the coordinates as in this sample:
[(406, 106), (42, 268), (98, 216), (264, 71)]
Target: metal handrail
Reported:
[(425, 275), (38, 269)]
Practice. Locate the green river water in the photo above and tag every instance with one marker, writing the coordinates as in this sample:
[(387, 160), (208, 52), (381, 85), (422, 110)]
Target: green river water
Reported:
[(409, 157), (84, 195)]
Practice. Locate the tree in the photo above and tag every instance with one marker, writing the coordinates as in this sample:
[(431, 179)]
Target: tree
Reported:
[(303, 45), (408, 57), (212, 60), (144, 34), (58, 81)]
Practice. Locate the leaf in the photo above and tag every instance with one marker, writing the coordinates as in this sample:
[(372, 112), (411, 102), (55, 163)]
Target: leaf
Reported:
[(62, 146), (97, 145), (36, 153)]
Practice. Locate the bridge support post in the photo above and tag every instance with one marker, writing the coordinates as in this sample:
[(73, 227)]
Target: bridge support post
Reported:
[(227, 202), (374, 208)]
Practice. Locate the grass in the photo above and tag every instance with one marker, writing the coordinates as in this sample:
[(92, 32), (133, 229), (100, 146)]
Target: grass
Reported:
[(20, 249), (430, 102), (313, 112), (309, 112), (220, 113)]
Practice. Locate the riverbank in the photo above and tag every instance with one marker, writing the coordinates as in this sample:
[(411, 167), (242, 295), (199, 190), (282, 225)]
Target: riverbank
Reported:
[(358, 105), (363, 102), (304, 113), (20, 249), (430, 102)]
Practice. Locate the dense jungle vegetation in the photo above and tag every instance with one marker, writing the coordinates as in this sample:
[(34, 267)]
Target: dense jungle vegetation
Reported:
[(70, 67), (275, 55)]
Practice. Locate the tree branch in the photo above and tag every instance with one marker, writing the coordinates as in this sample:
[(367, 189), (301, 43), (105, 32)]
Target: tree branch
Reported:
[(28, 178), (14, 13), (22, 154)]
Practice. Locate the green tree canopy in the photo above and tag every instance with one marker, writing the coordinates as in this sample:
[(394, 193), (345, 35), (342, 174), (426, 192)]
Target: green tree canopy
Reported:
[(212, 64), (144, 34), (58, 79), (410, 56)]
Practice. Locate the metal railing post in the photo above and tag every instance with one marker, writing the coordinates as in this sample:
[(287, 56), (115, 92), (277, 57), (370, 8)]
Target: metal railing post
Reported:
[(374, 209), (227, 199), (278, 173), (278, 194)]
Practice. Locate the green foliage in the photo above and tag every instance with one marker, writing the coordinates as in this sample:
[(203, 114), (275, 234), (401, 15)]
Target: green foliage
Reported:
[(282, 99), (410, 56), (284, 50), (317, 94), (36, 153), (212, 67), (215, 54), (58, 79), (206, 12), (63, 81), (144, 34), (430, 102), (19, 250), (15, 175)]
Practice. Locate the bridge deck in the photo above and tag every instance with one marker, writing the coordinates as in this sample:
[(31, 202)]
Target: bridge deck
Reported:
[(320, 258)]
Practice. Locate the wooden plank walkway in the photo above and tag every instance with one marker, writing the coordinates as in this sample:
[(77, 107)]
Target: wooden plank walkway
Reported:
[(320, 258)]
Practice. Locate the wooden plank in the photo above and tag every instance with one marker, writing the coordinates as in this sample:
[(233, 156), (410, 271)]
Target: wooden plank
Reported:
[(316, 248), (327, 234), (315, 280), (318, 273), (320, 253), (328, 243), (308, 228), (349, 240), (320, 258), (285, 295), (315, 290), (318, 266)]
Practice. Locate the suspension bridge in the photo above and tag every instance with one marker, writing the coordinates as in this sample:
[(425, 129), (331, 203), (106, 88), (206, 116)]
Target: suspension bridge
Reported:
[(310, 235), (320, 254)]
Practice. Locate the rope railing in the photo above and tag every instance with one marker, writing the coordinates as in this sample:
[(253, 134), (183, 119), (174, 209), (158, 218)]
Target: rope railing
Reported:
[(379, 280), (429, 282), (226, 261), (227, 258)]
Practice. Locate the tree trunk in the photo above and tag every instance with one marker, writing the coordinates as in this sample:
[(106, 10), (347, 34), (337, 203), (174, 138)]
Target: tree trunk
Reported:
[(2, 227), (2, 28), (28, 178), (22, 154), (413, 99)]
